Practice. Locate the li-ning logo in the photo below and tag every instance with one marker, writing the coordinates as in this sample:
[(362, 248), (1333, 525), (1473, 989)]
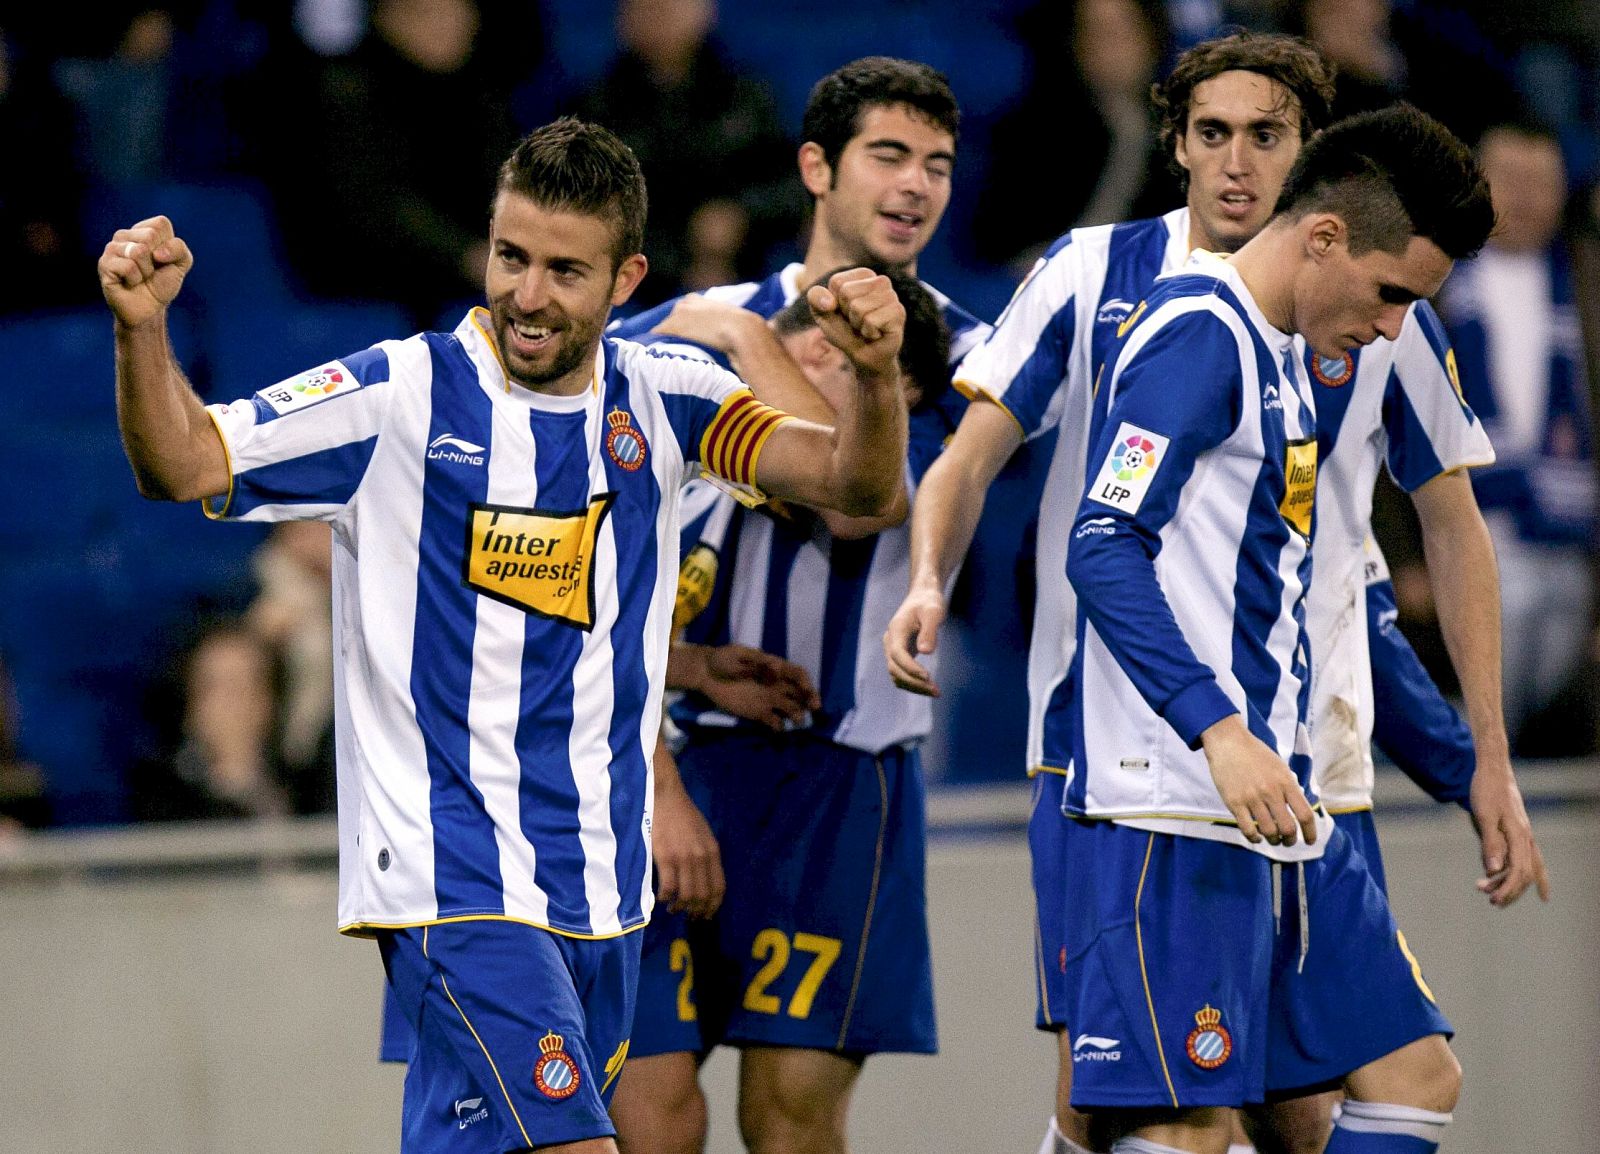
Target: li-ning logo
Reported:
[(1270, 398), (1089, 1048), (1096, 526), (470, 1110), (1114, 311), (446, 447)]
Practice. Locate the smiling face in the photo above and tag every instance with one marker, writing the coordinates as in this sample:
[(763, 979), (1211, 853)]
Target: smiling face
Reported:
[(1342, 302), (881, 202), (552, 280), (1241, 139)]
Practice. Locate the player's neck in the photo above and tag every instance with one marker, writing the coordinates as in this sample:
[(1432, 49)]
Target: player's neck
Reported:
[(823, 257), (1268, 265)]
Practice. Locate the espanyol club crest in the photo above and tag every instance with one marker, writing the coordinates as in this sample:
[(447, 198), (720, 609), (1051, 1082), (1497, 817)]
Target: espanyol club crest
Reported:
[(1335, 372), (1209, 1042), (624, 443), (555, 1073)]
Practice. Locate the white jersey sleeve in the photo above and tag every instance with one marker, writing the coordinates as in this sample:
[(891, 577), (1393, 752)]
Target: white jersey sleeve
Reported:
[(298, 450)]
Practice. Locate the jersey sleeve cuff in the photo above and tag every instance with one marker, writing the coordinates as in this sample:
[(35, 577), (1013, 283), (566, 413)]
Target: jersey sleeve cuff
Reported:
[(216, 508), (1196, 709)]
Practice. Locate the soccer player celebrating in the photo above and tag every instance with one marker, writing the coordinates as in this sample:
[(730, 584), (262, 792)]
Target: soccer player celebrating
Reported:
[(816, 972), (1235, 114), (1191, 760), (504, 505)]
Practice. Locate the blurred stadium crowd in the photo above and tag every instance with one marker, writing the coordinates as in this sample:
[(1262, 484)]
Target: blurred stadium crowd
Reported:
[(330, 162)]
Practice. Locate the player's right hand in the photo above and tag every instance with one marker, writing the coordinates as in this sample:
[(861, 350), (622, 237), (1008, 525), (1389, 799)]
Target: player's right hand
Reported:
[(142, 269), (860, 314), (688, 861), (914, 631), (1258, 788)]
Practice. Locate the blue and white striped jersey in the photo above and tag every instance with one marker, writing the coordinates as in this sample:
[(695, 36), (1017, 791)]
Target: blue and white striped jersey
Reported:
[(1394, 403), (787, 587), (1040, 364), (766, 297), (1191, 555), (504, 571)]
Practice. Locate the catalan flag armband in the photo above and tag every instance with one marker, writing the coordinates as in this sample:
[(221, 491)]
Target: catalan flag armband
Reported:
[(732, 444)]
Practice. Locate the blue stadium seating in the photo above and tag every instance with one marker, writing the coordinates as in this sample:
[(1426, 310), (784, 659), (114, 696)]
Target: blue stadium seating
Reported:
[(248, 349)]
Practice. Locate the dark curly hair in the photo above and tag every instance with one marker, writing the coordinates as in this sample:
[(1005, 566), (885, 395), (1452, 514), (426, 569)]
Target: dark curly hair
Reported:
[(1289, 60)]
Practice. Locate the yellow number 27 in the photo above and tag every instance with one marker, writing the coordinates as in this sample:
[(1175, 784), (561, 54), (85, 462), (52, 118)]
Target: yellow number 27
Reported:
[(772, 948)]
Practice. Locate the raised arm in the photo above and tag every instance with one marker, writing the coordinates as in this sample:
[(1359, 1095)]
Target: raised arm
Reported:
[(949, 504), (754, 351), (1466, 588), (856, 467), (173, 446)]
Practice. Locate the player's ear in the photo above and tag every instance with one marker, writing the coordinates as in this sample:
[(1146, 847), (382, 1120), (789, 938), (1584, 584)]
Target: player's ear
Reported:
[(815, 171), (1324, 231), (809, 348), (629, 273)]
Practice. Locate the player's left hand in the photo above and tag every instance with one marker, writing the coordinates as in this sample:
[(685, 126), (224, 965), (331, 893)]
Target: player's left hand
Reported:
[(715, 324), (859, 312), (688, 861), (1511, 858), (758, 686)]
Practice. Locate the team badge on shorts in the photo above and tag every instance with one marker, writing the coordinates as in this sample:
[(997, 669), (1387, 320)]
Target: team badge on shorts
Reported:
[(1333, 371), (1209, 1042), (624, 443), (555, 1074)]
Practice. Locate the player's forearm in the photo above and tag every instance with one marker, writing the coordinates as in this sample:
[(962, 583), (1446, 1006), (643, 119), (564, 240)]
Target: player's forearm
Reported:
[(171, 443), (867, 468), (1466, 590), (1412, 722), (944, 521), (1114, 577), (772, 374), (686, 666)]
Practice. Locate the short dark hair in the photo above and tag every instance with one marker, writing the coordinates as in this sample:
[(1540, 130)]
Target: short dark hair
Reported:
[(1288, 60), (575, 166), (840, 99), (1393, 174), (924, 347)]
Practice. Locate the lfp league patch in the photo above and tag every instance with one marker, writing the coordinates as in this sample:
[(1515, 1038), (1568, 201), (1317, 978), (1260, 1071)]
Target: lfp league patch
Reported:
[(309, 387), (1129, 467)]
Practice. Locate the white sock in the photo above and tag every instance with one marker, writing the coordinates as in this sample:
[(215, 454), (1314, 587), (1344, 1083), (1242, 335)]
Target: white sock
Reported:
[(1424, 1128), (1241, 1148), (1055, 1142), (1141, 1146)]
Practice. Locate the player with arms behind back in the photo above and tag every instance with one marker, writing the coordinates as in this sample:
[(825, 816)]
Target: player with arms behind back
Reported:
[(879, 147)]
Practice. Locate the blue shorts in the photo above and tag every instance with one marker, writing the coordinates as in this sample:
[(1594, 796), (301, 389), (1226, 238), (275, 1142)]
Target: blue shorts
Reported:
[(822, 939), (1363, 834), (1190, 983), (397, 1037), (520, 1033), (1046, 830)]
